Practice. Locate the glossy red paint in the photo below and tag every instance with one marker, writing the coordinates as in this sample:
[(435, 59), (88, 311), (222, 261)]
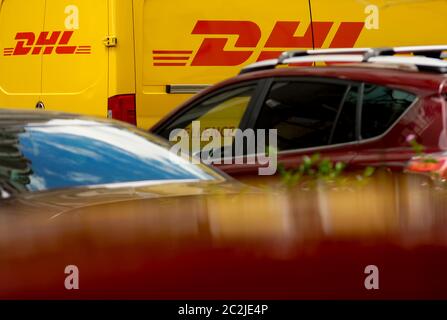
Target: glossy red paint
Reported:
[(249, 246), (425, 119)]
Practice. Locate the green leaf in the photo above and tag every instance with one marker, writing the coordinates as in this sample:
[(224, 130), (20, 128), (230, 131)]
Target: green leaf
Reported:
[(325, 167), (369, 171), (315, 158), (340, 166), (430, 160)]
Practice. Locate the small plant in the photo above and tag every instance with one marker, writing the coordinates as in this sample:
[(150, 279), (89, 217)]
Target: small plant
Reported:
[(314, 168), (419, 150)]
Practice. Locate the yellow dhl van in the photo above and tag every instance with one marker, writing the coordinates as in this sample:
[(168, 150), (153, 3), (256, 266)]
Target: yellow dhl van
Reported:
[(135, 60)]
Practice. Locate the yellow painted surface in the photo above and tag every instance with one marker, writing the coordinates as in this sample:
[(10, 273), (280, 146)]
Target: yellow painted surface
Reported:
[(400, 22), (147, 30), (122, 57), (77, 82), (167, 27), (20, 79)]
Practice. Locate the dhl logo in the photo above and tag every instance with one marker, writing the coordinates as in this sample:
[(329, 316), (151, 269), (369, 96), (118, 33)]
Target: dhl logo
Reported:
[(212, 50), (56, 42)]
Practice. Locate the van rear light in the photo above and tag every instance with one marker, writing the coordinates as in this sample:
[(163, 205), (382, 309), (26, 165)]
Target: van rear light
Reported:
[(123, 108)]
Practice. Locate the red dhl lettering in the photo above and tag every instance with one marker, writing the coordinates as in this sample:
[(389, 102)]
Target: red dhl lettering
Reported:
[(211, 51), (56, 42)]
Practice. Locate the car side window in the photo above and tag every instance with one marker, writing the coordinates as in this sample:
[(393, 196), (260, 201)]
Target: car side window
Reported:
[(222, 111), (382, 106), (309, 114), (345, 123)]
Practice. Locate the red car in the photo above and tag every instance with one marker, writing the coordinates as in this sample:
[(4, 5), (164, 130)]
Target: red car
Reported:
[(142, 244), (360, 112)]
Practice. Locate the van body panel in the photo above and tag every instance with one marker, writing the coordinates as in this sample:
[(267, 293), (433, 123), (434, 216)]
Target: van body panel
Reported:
[(20, 71), (121, 56), (388, 22), (77, 80), (201, 43), (165, 51)]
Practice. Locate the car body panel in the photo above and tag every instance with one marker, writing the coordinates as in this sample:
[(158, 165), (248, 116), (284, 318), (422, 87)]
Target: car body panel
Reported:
[(57, 202), (312, 244), (423, 118)]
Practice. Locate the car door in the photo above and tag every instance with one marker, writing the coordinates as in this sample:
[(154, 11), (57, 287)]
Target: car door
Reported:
[(21, 23), (217, 113), (382, 135), (311, 116)]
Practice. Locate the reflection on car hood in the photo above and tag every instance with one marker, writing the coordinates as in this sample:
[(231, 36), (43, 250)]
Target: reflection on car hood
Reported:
[(53, 203)]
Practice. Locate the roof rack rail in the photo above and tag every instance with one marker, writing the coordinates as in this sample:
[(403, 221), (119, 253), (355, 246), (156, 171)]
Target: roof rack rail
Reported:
[(425, 58)]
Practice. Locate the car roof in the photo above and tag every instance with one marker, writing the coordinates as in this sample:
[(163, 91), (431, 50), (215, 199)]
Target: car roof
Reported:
[(413, 80), (417, 82)]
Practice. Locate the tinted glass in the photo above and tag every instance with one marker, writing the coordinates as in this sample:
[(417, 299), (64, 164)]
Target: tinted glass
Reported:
[(76, 153), (382, 106), (345, 123), (306, 113), (221, 111)]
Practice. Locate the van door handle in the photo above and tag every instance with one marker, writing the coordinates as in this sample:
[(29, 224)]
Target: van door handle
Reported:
[(40, 105)]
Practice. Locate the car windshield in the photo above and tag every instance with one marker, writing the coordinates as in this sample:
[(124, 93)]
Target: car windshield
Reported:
[(75, 153)]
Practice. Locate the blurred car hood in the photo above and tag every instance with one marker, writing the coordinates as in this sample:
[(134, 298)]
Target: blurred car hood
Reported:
[(228, 243), (57, 202)]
